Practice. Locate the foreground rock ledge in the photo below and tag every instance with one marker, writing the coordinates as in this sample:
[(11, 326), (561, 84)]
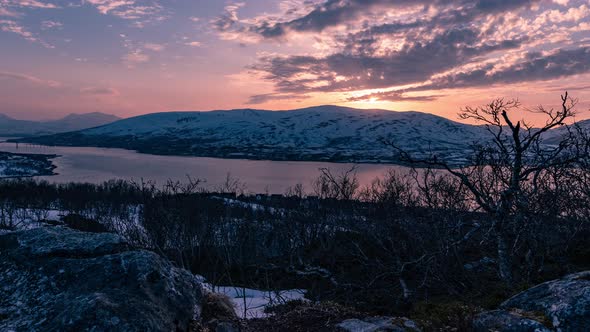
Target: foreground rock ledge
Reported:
[(58, 279), (561, 305)]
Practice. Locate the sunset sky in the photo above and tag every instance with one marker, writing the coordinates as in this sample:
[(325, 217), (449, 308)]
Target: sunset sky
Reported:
[(129, 57)]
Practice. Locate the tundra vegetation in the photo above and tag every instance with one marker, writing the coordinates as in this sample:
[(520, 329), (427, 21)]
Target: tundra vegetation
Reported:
[(436, 243)]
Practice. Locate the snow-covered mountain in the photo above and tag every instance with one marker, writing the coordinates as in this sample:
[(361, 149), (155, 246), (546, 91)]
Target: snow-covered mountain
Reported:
[(554, 136), (13, 127), (318, 133)]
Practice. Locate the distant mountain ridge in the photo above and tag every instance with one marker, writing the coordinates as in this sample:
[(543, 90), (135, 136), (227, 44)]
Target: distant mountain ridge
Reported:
[(322, 133), (21, 128)]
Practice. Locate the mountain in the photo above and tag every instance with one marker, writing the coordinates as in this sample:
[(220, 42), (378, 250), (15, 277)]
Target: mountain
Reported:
[(13, 127), (82, 121), (323, 133), (554, 136)]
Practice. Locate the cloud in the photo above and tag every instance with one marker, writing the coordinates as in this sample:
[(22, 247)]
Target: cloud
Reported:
[(229, 17), (394, 96), (571, 88), (57, 86), (135, 52), (263, 98), (107, 6), (400, 48), (335, 13), (8, 13), (16, 28), (154, 47), (346, 71), (28, 4), (533, 67), (135, 57), (47, 25), (11, 8), (99, 91), (139, 11), (29, 79), (317, 18), (193, 44), (7, 10), (328, 14)]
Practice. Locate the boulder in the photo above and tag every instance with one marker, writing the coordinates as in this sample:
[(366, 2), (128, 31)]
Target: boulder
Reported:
[(378, 324), (565, 302), (59, 279), (563, 305), (506, 321)]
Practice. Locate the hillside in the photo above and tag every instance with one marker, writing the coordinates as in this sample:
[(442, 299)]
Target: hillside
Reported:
[(15, 128), (324, 133)]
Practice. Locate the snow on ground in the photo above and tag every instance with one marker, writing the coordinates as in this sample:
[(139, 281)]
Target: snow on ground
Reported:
[(23, 165), (250, 303), (249, 205), (27, 218)]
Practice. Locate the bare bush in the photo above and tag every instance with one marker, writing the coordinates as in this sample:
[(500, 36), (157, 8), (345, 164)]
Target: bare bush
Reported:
[(505, 173)]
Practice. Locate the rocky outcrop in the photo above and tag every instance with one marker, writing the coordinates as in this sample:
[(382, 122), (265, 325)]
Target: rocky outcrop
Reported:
[(506, 321), (376, 324), (562, 305), (58, 279)]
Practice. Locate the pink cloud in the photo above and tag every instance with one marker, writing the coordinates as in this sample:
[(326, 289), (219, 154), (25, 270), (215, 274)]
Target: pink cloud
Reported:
[(47, 25), (29, 79), (135, 57), (99, 91), (154, 47), (8, 13), (28, 3), (141, 12), (16, 28)]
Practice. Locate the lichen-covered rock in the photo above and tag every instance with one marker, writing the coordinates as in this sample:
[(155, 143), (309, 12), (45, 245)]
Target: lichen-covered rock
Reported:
[(563, 305), (565, 302), (505, 321), (58, 279), (378, 324)]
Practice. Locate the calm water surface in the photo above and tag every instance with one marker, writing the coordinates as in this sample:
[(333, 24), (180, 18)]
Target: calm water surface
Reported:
[(96, 165)]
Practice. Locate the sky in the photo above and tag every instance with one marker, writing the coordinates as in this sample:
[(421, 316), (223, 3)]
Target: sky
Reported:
[(131, 57)]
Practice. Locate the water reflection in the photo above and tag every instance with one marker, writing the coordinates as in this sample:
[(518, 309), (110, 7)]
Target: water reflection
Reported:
[(96, 165)]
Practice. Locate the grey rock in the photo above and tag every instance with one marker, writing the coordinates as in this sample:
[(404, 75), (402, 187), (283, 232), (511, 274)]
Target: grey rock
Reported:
[(58, 279), (357, 325), (565, 302), (563, 305), (227, 327), (374, 324), (504, 321)]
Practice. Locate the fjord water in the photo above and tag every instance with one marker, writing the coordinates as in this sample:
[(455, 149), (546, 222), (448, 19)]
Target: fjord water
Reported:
[(96, 165)]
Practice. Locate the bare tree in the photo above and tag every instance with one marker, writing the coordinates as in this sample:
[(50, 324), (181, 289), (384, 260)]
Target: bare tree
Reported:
[(342, 186), (231, 185), (295, 191), (393, 190), (504, 172)]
